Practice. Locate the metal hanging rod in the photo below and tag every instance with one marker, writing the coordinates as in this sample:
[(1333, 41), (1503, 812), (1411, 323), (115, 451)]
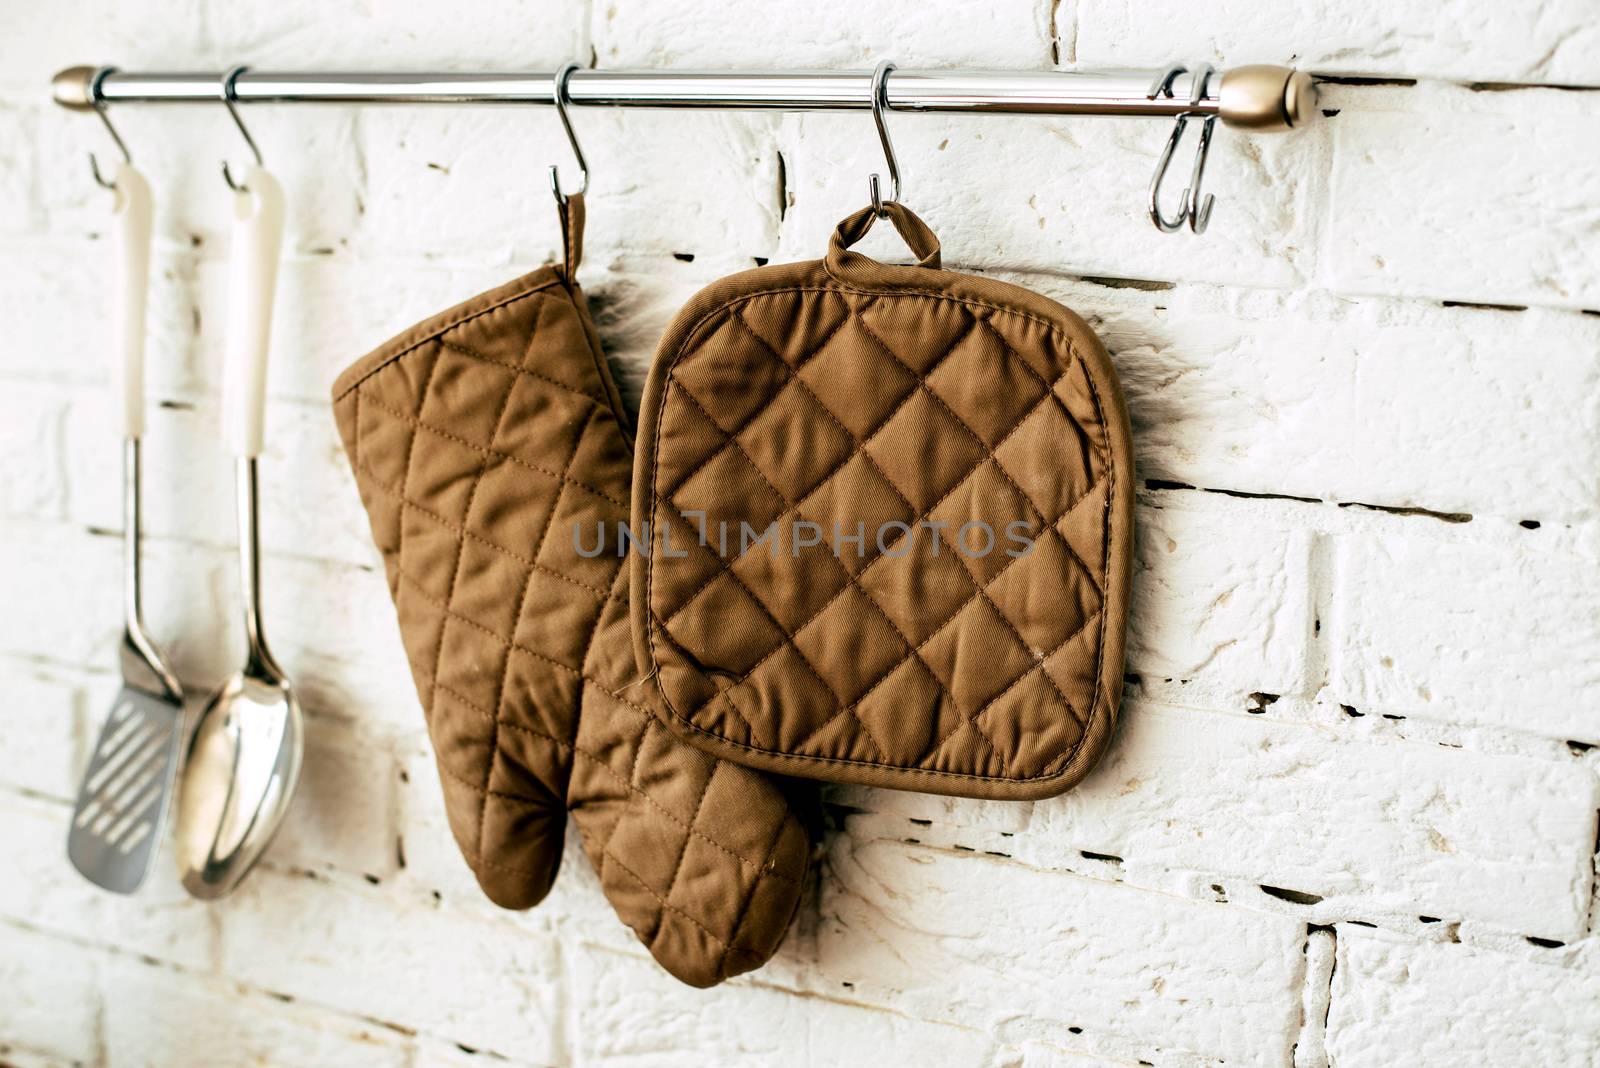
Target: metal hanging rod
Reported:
[(1252, 97)]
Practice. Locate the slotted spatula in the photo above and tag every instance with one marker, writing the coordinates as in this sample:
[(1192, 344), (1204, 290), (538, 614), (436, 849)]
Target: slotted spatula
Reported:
[(122, 803)]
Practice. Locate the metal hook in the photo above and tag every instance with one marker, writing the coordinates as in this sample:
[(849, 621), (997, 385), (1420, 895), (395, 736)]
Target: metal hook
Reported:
[(562, 99), (880, 105), (230, 97), (1192, 210), (1200, 211), (99, 106)]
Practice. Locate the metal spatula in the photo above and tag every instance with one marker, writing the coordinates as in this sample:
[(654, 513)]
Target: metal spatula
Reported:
[(122, 804)]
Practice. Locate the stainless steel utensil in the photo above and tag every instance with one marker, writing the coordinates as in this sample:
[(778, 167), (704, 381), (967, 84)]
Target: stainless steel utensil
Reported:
[(122, 805), (244, 755)]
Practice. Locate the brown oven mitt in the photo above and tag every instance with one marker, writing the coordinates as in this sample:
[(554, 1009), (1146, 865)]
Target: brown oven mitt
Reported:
[(485, 443), (899, 502)]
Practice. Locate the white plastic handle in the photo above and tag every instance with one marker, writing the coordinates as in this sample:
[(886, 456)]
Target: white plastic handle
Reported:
[(131, 239), (252, 282)]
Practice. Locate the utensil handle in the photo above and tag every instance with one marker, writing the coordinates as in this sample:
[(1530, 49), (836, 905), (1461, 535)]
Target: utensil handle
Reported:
[(131, 240), (253, 277)]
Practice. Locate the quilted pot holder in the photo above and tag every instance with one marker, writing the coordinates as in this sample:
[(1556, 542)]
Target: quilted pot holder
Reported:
[(483, 441), (890, 519)]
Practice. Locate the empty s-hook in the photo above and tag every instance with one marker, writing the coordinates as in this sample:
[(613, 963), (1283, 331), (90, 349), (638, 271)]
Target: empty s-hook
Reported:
[(99, 106), (230, 98), (880, 105), (562, 99), (1192, 208)]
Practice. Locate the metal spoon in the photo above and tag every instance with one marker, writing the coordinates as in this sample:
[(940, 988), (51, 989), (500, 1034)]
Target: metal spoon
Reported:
[(244, 756)]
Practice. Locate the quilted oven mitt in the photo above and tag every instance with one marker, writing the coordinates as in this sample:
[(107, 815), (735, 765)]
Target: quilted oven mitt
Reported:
[(482, 441)]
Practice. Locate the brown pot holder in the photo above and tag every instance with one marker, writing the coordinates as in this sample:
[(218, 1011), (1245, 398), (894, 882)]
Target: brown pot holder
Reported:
[(483, 441), (890, 518)]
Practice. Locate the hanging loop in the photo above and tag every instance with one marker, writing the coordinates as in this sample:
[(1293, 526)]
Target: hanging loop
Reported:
[(880, 105), (562, 99), (1192, 208), (99, 106), (230, 100)]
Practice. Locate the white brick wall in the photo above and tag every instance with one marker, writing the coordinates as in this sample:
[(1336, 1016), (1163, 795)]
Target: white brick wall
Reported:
[(1350, 816)]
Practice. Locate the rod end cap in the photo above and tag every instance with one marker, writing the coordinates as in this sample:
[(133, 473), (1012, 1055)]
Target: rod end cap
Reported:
[(74, 88), (1264, 96)]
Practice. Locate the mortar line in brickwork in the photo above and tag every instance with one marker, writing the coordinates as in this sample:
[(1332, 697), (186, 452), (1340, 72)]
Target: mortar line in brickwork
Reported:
[(1357, 725), (1322, 578), (1592, 926), (1321, 950), (1167, 485), (1227, 891), (212, 980)]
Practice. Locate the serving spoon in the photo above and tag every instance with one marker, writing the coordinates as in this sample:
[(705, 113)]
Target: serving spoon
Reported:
[(244, 756)]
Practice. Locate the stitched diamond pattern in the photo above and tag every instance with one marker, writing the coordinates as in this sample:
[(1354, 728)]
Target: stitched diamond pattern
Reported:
[(919, 422), (481, 442)]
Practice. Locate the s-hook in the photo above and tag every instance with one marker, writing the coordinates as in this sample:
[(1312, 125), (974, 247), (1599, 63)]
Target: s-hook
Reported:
[(880, 105), (99, 106), (230, 98), (1192, 209), (562, 99)]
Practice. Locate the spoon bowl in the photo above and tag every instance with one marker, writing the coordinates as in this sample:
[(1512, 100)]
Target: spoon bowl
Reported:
[(243, 761)]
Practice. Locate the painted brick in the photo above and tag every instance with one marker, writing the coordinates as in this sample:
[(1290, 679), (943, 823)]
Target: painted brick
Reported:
[(930, 927), (50, 1004), (45, 721), (347, 34), (394, 961), (664, 33), (1218, 595), (334, 630), (471, 187), (1044, 1055), (56, 334), (1423, 627), (189, 478), (434, 865), (343, 812), (1437, 1003), (442, 1053), (46, 564), (1442, 199), (19, 200), (1334, 397), (40, 41), (1004, 816), (158, 1017), (1381, 827), (186, 608), (44, 891), (1467, 40), (629, 1010), (32, 460)]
